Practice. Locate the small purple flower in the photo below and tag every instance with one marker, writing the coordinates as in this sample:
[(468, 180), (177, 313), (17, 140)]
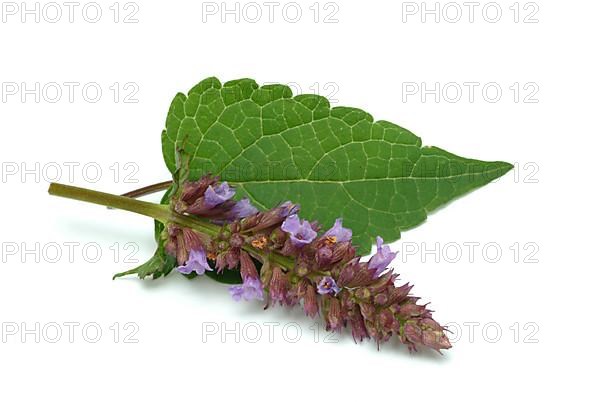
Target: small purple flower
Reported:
[(301, 233), (250, 289), (328, 286), (216, 196), (242, 209), (196, 262), (382, 258), (338, 234)]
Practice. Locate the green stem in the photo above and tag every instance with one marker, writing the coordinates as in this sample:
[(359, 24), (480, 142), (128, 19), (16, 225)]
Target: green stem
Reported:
[(156, 211), (195, 224), (159, 212)]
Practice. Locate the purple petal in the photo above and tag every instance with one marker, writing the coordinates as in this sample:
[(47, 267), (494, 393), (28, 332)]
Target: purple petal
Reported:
[(242, 209), (382, 258), (340, 233), (196, 262), (306, 234), (184, 269), (301, 232), (217, 196), (327, 285), (291, 224), (236, 292), (250, 289)]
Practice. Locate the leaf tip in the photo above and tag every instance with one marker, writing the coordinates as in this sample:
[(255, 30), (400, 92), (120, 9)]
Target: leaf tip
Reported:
[(505, 167), (120, 274)]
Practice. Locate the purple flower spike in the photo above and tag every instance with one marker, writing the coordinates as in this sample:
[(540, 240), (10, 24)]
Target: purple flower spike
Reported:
[(382, 258), (338, 234), (216, 196), (328, 286), (242, 209), (196, 262), (250, 289), (301, 233)]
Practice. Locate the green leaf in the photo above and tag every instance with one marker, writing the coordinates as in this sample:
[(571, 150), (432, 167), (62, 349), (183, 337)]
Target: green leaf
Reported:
[(228, 276), (333, 161), (160, 264)]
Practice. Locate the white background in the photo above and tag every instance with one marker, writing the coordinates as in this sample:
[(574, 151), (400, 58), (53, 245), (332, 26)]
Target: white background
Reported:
[(548, 205)]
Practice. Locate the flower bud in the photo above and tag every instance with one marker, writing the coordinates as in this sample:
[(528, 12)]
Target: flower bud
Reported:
[(397, 295), (357, 274), (410, 310), (182, 252), (324, 256), (194, 189), (311, 306), (278, 237), (221, 261), (367, 310), (334, 315), (247, 267), (342, 251), (289, 249), (266, 273), (275, 216), (278, 286), (435, 339), (347, 301), (380, 299), (194, 240), (412, 332), (362, 293), (359, 331), (249, 222), (383, 282), (236, 240), (388, 321), (372, 330), (233, 258)]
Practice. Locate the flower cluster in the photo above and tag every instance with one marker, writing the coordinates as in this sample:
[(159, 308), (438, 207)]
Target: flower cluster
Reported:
[(300, 266)]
